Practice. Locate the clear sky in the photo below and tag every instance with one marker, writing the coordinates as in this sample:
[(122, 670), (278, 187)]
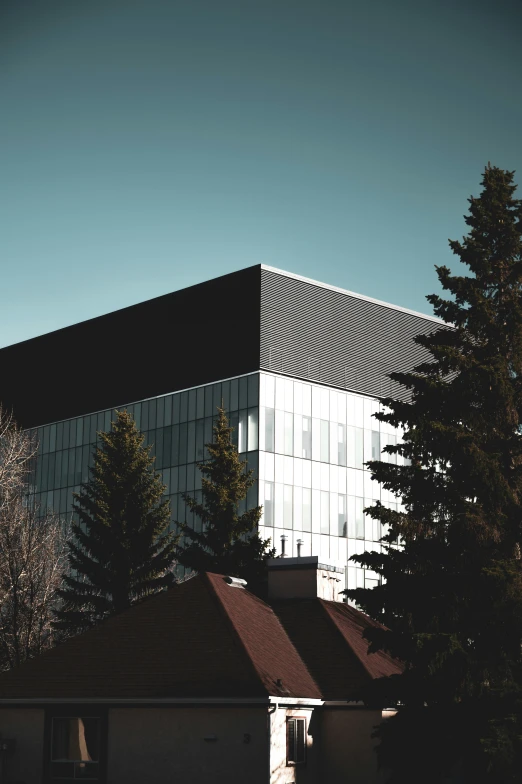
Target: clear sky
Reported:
[(146, 145)]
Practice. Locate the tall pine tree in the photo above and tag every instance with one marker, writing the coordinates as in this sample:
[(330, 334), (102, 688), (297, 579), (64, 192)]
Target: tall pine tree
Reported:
[(228, 542), (452, 594), (122, 550)]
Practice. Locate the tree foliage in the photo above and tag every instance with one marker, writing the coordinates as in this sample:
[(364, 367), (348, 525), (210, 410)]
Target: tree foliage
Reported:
[(122, 550), (32, 554), (452, 594), (228, 542)]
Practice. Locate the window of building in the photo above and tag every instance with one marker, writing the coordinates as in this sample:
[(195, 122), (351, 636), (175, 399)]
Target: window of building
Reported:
[(325, 512), (307, 438), (359, 441), (392, 441), (307, 509), (269, 430), (295, 741), (242, 432), (75, 748), (341, 515), (252, 429), (341, 445), (268, 504), (359, 518), (376, 530), (288, 507), (191, 442), (200, 440), (289, 434), (325, 441), (376, 445)]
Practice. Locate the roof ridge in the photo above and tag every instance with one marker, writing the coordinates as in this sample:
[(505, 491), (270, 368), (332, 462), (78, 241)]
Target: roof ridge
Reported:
[(244, 644), (230, 622)]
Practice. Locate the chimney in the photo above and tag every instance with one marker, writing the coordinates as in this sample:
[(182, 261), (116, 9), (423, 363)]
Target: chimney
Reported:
[(304, 578)]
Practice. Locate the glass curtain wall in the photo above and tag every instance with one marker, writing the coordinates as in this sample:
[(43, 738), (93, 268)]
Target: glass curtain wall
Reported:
[(313, 443), (177, 426), (307, 445)]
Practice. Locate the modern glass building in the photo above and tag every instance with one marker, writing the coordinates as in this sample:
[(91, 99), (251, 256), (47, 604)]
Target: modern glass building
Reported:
[(311, 366)]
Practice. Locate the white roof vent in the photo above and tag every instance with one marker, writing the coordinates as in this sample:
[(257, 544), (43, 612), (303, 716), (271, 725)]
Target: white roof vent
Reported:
[(236, 582)]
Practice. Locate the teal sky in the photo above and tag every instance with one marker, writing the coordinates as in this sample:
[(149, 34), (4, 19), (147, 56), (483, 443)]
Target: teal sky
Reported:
[(146, 145)]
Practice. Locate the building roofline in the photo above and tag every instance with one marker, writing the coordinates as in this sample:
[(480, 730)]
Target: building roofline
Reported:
[(353, 294), (266, 267)]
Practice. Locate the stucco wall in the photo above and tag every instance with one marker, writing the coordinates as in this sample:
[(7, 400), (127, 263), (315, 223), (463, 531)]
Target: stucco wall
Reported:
[(300, 774), (26, 726), (347, 748), (158, 745)]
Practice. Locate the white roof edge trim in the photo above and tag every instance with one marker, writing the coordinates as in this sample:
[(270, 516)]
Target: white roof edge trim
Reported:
[(302, 701), (353, 294)]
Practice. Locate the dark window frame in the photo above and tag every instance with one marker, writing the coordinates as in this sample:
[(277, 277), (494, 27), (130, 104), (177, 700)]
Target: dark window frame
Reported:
[(72, 711), (292, 763)]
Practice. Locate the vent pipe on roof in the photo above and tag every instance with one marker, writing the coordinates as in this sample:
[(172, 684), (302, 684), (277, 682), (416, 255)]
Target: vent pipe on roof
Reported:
[(283, 546), (299, 544), (236, 582)]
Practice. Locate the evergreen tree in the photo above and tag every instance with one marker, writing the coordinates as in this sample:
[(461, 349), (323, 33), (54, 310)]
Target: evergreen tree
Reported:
[(228, 542), (452, 594), (122, 550)]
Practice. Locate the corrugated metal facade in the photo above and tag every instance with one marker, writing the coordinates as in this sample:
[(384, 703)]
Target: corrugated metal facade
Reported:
[(256, 318), (333, 337)]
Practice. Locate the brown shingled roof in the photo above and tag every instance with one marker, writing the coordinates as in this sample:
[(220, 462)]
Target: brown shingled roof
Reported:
[(352, 623), (202, 638), (266, 643), (207, 639), (329, 638)]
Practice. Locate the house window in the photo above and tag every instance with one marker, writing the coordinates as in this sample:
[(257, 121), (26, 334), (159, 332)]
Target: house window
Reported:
[(295, 741), (75, 748)]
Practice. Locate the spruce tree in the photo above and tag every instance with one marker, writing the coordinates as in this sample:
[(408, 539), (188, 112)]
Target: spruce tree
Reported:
[(122, 550), (452, 592), (229, 542)]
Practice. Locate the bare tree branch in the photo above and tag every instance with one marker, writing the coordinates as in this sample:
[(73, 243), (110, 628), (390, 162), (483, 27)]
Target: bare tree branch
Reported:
[(32, 554)]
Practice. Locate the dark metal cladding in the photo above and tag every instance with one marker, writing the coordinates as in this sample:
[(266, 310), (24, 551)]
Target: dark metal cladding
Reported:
[(333, 337), (256, 318), (194, 336)]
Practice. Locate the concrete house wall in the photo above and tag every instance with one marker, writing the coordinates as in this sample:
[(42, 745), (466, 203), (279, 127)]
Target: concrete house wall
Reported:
[(26, 726), (166, 744), (157, 745), (347, 748)]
